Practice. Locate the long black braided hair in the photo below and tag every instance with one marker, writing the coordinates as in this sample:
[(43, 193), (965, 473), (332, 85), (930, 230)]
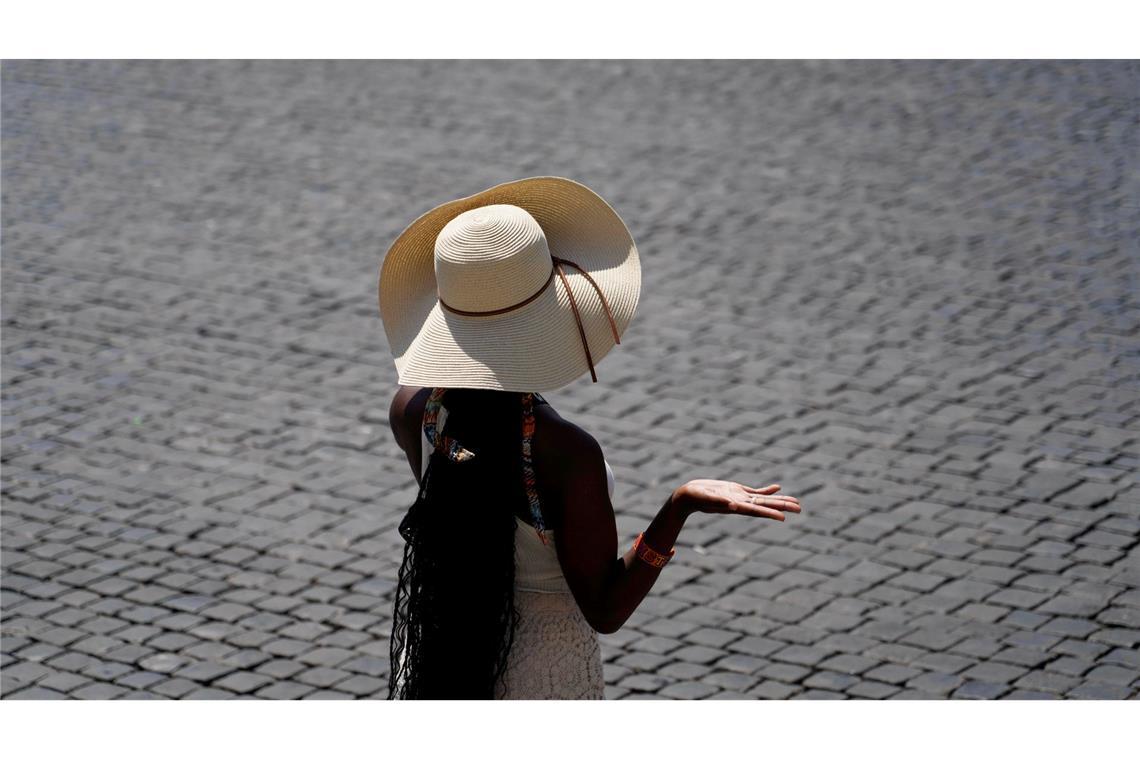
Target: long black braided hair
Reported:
[(455, 618)]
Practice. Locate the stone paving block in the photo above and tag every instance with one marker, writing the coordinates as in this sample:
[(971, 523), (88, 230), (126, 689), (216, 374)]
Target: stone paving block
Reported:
[(1084, 496), (798, 634), (1088, 650), (819, 694), (784, 672), (62, 682), (322, 677), (1022, 694), (138, 694), (912, 694), (697, 654), (977, 647), (994, 672), (711, 637), (285, 690), (685, 671), (1017, 598), (755, 646), (129, 654), (1070, 666), (733, 681), (1029, 658), (98, 691), (209, 694), (616, 673), (106, 671), (364, 686), (849, 664), (740, 663), (935, 683), (1094, 690), (772, 690), (728, 695), (872, 690), (1117, 637), (204, 671), (800, 655), (891, 673), (830, 681), (656, 645), (671, 628), (326, 656), (162, 663), (986, 613), (1113, 674), (35, 692), (1032, 640), (689, 690), (175, 688), (286, 647), (1126, 658), (243, 683), (138, 679), (900, 653), (643, 682), (980, 690)]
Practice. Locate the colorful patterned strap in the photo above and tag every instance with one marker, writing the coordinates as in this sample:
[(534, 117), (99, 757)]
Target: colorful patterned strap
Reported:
[(443, 443), (454, 451), (529, 479)]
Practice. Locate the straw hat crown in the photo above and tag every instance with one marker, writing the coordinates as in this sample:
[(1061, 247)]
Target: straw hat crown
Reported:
[(490, 258), (524, 286)]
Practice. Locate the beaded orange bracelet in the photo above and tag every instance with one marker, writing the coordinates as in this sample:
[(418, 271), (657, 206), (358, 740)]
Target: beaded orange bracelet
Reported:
[(655, 558)]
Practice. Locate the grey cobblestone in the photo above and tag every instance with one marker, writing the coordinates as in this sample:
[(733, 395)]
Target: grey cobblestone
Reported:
[(918, 312), (737, 682), (849, 664), (935, 683), (980, 690), (772, 690), (285, 690), (892, 674), (204, 671), (1095, 690), (872, 690)]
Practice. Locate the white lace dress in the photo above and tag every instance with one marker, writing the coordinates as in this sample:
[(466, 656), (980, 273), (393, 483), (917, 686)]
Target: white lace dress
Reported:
[(555, 654)]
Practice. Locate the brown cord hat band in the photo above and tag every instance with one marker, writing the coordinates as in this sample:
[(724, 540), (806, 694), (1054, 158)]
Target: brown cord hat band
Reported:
[(573, 306)]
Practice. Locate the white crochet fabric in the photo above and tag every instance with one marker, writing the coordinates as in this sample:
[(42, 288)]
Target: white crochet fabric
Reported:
[(555, 654)]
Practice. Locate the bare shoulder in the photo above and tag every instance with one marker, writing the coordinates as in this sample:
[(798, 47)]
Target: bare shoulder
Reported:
[(405, 413), (558, 434), (572, 482), (562, 446)]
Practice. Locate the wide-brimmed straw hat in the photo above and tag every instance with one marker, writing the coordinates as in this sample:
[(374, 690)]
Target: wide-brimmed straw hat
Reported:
[(524, 286)]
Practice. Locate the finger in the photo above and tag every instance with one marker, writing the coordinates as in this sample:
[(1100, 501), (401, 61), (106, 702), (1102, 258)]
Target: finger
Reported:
[(773, 503), (789, 503), (755, 510), (778, 497), (765, 489)]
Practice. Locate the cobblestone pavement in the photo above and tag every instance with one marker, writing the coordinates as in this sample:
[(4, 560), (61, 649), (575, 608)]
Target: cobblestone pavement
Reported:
[(905, 291)]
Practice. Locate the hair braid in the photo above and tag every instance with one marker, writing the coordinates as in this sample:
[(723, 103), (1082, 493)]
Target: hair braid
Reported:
[(454, 615)]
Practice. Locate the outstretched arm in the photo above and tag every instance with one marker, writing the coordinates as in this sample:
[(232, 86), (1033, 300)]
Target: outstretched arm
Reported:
[(608, 590)]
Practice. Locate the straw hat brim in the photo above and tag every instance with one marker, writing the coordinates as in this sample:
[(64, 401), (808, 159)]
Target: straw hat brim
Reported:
[(536, 347)]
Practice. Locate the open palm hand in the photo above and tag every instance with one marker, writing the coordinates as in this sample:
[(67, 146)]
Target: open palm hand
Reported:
[(726, 496)]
